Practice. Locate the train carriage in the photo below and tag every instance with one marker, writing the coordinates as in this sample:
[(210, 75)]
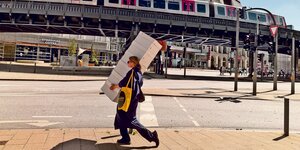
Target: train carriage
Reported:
[(83, 2), (224, 9)]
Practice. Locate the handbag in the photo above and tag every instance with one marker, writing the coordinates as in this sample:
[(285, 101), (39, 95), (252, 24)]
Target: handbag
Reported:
[(141, 96), (125, 95)]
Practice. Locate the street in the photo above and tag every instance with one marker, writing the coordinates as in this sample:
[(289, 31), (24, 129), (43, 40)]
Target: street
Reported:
[(42, 104)]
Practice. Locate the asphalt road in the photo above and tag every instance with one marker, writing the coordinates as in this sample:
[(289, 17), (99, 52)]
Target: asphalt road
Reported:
[(25, 104)]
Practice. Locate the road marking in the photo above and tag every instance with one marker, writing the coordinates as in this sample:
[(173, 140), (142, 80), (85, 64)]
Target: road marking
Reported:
[(183, 109), (51, 116), (147, 113), (110, 116), (44, 124), (38, 123), (195, 123), (20, 121)]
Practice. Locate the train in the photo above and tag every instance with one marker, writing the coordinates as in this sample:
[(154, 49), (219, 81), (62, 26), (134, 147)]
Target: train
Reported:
[(221, 9)]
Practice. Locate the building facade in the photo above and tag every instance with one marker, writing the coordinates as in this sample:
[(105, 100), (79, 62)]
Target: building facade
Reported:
[(49, 47), (208, 56)]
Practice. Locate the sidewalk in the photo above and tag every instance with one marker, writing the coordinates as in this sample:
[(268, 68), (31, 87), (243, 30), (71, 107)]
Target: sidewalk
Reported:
[(172, 139), (222, 94), (17, 76)]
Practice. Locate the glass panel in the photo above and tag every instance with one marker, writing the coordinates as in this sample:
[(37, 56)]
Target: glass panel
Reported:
[(201, 8), (252, 16), (192, 7), (26, 53), (128, 2), (221, 11), (188, 6), (114, 1), (159, 4), (281, 21), (262, 18), (173, 5), (145, 3), (185, 7), (231, 12)]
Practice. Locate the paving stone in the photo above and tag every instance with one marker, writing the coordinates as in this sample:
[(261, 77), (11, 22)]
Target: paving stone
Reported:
[(16, 142), (33, 146), (13, 147), (37, 139)]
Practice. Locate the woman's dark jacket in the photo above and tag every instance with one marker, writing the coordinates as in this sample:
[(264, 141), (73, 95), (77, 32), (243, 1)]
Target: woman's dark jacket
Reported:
[(124, 119)]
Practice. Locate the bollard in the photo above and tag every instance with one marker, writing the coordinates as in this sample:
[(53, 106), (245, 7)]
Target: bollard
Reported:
[(286, 116), (34, 71)]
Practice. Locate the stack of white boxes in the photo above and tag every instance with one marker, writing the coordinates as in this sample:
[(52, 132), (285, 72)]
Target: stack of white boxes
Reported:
[(145, 48)]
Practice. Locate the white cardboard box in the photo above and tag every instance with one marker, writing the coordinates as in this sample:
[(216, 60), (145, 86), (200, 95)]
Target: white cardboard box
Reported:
[(145, 48)]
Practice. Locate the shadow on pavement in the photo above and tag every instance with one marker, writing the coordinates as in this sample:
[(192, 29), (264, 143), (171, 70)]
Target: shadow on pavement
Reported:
[(280, 138), (228, 99), (112, 136), (83, 144), (265, 92), (77, 144), (110, 146)]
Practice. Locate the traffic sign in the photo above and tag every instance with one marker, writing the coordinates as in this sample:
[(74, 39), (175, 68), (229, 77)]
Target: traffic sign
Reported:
[(274, 30)]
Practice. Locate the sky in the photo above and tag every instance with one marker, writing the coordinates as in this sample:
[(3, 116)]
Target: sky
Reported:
[(290, 9)]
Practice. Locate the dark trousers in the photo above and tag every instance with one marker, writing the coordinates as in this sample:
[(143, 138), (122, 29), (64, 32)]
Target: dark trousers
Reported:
[(135, 124)]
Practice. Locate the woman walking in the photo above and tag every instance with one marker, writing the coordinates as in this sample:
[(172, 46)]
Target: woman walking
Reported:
[(127, 119)]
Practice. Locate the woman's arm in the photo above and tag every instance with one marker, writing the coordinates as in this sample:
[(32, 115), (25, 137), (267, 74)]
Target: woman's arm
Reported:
[(123, 82)]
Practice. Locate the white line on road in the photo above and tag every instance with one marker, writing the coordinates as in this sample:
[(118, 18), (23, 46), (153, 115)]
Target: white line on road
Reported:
[(37, 123), (183, 109), (21, 121), (147, 113), (51, 116), (195, 123)]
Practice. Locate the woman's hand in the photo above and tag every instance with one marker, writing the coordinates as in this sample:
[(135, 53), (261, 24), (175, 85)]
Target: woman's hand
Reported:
[(114, 86)]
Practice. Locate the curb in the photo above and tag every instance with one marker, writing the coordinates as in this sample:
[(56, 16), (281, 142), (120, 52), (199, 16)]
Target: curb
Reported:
[(48, 80), (221, 98)]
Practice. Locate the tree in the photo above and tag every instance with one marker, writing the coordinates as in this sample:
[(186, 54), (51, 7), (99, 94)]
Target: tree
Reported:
[(94, 56), (72, 47)]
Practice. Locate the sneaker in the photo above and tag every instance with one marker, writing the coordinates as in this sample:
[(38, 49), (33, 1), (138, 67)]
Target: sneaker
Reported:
[(156, 140), (123, 142)]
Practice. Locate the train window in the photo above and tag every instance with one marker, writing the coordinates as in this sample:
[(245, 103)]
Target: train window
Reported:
[(221, 11), (262, 18), (201, 8), (114, 1), (145, 3), (128, 2), (252, 16), (231, 11), (188, 6), (173, 5), (281, 21), (160, 4)]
